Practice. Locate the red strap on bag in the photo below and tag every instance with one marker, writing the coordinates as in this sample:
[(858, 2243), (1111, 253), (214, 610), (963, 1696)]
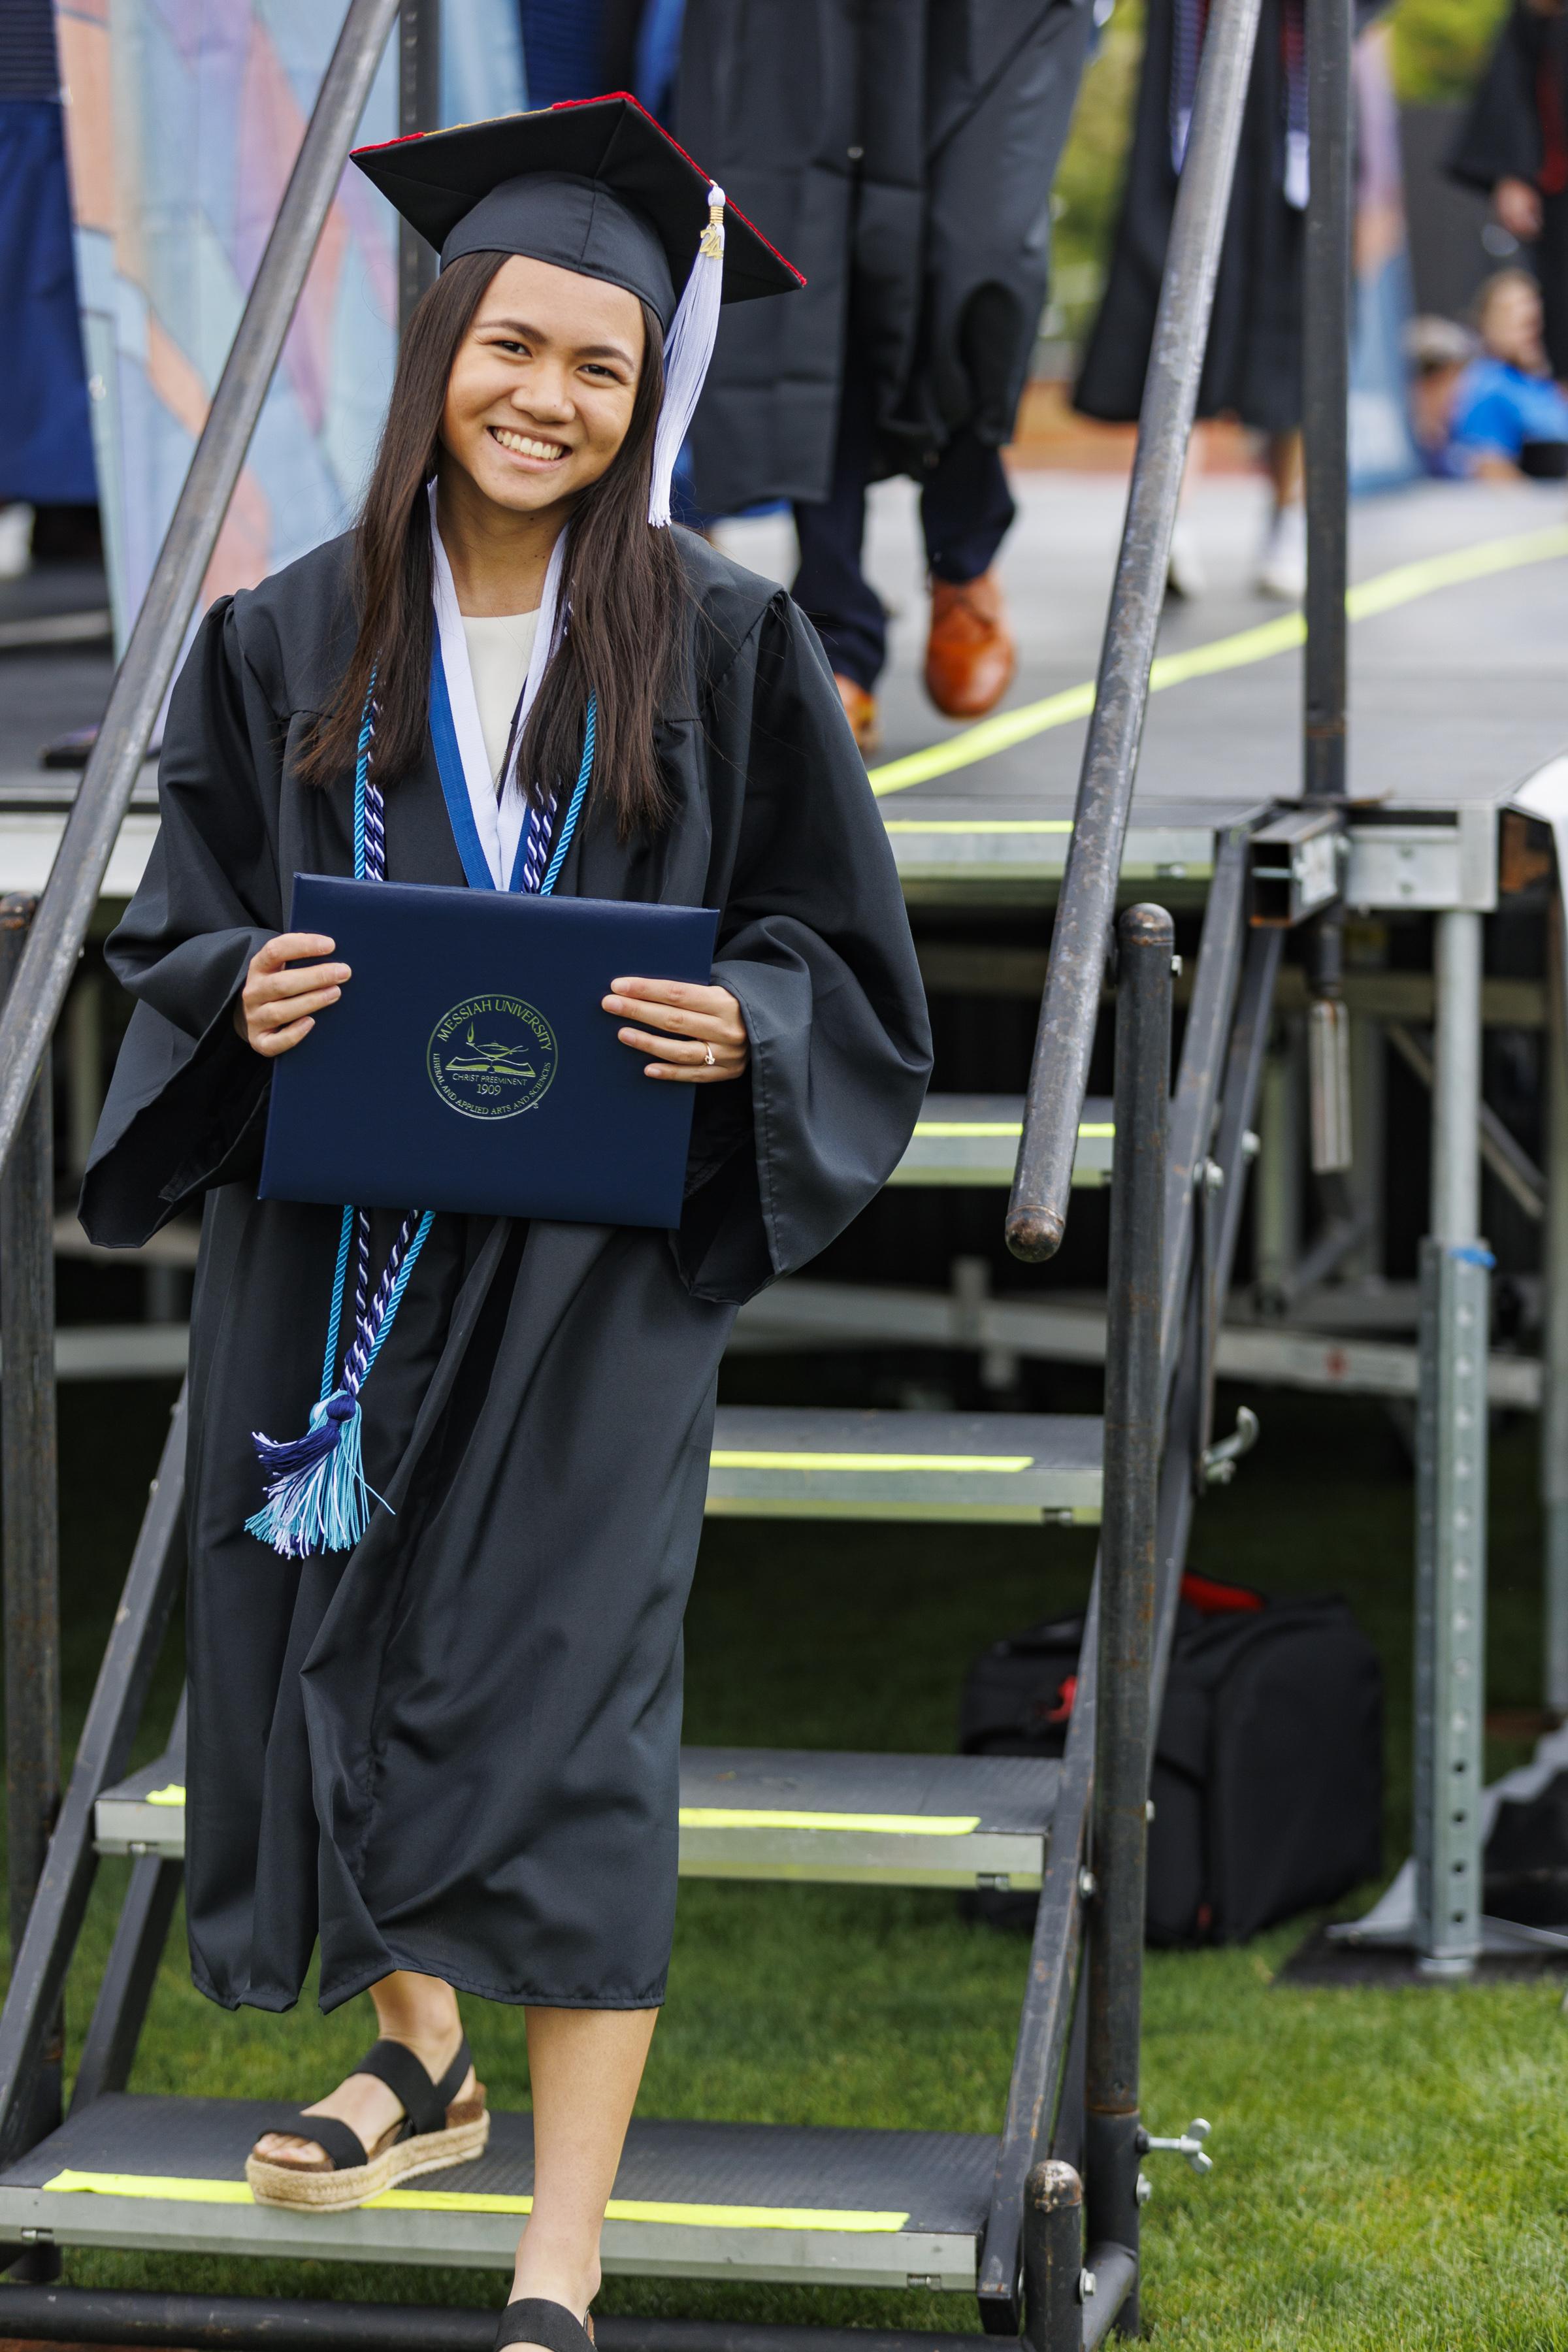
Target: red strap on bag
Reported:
[(1212, 1599)]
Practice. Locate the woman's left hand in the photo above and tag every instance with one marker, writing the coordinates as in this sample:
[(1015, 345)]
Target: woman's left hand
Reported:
[(705, 1030)]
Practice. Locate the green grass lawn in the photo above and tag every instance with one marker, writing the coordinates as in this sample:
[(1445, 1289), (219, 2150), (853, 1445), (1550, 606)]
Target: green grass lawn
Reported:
[(1391, 2165)]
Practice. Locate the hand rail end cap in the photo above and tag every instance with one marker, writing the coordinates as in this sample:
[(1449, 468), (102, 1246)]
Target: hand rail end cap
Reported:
[(1034, 1235)]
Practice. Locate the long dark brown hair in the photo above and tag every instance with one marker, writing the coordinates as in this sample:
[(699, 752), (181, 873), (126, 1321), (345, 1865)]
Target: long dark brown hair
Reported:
[(623, 582)]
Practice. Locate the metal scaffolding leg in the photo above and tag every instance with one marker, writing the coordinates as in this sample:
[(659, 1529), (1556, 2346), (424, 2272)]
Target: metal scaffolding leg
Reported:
[(1554, 1334), (1278, 1195), (1366, 950), (1451, 1480)]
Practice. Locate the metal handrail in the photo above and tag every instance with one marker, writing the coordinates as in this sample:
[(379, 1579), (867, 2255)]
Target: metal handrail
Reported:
[(33, 1003), (1059, 1079)]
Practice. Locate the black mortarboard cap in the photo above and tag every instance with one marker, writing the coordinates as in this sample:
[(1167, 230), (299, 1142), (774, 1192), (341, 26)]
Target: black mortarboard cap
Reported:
[(593, 185)]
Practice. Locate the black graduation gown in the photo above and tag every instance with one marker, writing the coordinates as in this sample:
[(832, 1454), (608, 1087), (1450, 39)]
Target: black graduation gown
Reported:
[(1253, 364), (1519, 115), (454, 1750), (902, 153)]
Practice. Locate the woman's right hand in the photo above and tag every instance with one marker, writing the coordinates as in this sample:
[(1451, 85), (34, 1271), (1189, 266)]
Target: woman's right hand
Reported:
[(1518, 206), (277, 1007)]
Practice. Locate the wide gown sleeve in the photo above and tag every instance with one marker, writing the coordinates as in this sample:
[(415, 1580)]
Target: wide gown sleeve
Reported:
[(187, 1105), (815, 943)]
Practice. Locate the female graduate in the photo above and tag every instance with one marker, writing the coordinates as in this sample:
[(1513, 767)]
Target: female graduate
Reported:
[(443, 1746)]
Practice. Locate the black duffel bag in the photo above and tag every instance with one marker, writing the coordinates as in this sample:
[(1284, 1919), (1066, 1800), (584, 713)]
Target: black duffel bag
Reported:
[(1268, 1780)]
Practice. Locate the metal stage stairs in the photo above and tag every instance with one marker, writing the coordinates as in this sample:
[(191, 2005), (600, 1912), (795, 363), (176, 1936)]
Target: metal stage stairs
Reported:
[(1005, 2216), (738, 2201)]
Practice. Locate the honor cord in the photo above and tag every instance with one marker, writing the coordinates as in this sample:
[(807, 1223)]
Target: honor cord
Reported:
[(317, 1498)]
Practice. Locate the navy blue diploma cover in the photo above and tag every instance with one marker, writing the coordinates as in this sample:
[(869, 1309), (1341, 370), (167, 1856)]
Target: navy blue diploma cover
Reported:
[(469, 1063)]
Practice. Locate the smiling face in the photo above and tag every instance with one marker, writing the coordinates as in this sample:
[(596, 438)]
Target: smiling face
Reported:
[(542, 390)]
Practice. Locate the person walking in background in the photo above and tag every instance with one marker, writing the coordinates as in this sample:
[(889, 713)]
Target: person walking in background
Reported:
[(1514, 146), (1253, 366), (906, 153)]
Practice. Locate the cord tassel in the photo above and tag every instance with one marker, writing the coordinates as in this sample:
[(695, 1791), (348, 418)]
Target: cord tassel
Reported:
[(688, 350), (316, 1498)]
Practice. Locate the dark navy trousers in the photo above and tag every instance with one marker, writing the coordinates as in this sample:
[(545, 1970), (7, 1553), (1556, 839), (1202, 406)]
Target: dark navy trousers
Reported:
[(966, 510)]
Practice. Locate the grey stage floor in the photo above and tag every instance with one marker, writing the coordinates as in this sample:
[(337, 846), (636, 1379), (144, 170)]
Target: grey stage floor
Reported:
[(1457, 695)]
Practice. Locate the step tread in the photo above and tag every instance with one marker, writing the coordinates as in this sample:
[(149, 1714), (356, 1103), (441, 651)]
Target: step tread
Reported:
[(1005, 1794), (1008, 1792), (1067, 1440), (690, 2197), (798, 1813), (943, 840), (822, 1463), (974, 1140)]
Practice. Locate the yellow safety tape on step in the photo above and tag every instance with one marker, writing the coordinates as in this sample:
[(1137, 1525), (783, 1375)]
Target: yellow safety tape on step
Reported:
[(729, 1459), (146, 2185), (1382, 593), (721, 1817), (172, 1795)]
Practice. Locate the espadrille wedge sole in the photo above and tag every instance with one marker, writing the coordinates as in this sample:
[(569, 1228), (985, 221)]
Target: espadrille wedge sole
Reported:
[(437, 2130)]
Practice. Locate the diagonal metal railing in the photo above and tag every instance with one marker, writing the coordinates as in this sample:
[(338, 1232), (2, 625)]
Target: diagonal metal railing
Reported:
[(1059, 1079), (33, 1002)]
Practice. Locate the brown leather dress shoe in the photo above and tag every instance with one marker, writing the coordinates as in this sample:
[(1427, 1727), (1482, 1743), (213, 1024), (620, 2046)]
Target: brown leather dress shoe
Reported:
[(860, 709), (970, 653)]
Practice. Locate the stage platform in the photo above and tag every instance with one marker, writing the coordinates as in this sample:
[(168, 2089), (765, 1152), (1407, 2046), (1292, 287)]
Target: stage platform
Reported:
[(1457, 695)]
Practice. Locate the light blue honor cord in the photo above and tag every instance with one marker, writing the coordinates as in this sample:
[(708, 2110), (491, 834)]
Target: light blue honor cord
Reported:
[(553, 874), (317, 1497)]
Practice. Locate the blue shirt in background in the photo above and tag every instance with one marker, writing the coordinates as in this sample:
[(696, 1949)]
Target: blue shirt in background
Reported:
[(1498, 408)]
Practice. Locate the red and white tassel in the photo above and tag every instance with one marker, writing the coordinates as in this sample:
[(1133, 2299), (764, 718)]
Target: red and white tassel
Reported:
[(687, 350)]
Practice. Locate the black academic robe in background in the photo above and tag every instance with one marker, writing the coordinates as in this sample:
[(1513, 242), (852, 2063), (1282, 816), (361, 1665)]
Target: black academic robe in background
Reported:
[(1517, 130), (1253, 363), (454, 1750), (901, 153)]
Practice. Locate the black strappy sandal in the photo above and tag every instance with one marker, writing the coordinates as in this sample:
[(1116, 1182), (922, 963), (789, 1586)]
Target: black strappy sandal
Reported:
[(437, 2128), (535, 2321)]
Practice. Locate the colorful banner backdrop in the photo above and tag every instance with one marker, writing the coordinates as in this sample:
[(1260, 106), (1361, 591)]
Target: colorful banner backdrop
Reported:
[(182, 121)]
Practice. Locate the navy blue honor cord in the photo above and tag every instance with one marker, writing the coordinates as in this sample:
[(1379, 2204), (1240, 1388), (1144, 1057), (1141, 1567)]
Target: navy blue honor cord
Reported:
[(316, 1498)]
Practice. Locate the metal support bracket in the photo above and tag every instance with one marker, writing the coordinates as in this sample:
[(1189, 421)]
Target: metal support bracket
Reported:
[(1296, 864)]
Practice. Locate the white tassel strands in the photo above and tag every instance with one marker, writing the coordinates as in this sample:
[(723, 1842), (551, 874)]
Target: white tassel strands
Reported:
[(689, 349)]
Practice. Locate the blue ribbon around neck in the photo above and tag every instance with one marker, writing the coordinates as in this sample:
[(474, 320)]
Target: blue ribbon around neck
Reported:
[(454, 787)]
